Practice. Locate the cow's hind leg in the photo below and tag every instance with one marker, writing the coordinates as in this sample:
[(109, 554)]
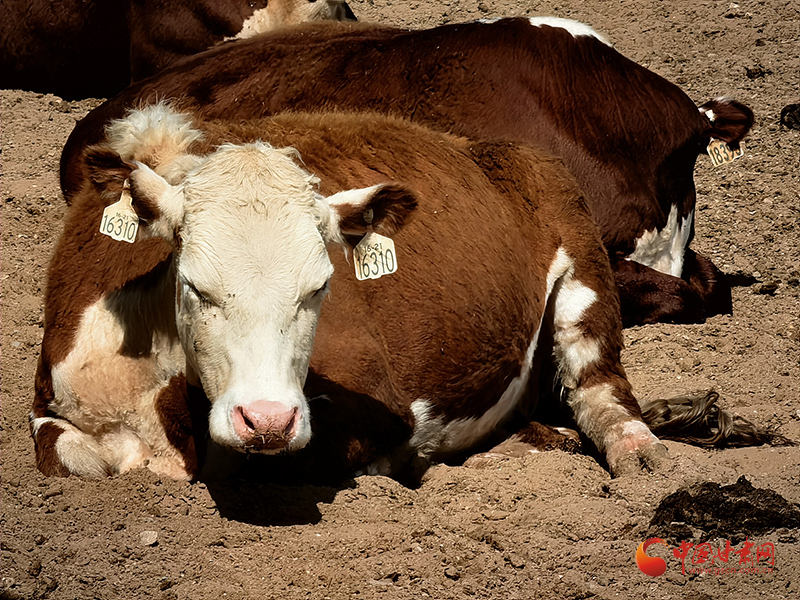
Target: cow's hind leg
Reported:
[(650, 296), (711, 284), (587, 341)]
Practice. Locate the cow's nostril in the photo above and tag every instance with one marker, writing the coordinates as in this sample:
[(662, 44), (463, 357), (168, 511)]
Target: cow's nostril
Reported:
[(265, 424), (290, 425), (249, 425)]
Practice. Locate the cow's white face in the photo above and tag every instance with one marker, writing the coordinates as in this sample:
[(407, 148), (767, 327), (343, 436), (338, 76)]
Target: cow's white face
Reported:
[(250, 235), (252, 271)]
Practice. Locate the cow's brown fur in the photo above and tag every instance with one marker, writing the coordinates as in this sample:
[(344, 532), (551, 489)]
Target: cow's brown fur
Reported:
[(629, 137), (174, 414), (163, 32), (47, 460)]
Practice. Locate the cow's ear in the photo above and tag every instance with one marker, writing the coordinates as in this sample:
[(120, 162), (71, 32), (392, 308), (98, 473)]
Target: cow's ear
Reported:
[(106, 171), (386, 207), (158, 204)]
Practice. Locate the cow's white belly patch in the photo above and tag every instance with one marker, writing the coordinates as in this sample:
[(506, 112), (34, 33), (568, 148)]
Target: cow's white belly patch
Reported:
[(663, 249), (432, 435)]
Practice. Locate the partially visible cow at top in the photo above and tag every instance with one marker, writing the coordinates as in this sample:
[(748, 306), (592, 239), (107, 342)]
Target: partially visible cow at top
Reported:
[(501, 285), (94, 48), (630, 138)]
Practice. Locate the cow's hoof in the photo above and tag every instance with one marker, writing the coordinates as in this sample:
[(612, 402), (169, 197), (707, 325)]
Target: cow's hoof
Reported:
[(650, 458), (544, 437), (635, 450)]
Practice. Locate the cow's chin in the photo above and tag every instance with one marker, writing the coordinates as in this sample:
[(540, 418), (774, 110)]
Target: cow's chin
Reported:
[(298, 442)]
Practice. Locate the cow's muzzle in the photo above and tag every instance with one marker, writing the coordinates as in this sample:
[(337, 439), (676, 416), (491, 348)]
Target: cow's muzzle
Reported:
[(265, 426)]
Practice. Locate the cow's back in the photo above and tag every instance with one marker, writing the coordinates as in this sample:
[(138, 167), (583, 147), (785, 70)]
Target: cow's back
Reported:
[(574, 96)]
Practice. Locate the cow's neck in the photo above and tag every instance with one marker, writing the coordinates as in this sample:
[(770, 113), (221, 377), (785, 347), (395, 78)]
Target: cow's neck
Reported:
[(145, 308)]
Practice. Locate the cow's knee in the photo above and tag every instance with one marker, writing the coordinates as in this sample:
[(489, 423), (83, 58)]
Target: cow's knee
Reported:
[(63, 450)]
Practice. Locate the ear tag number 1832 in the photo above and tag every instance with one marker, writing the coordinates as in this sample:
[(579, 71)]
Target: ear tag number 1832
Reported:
[(721, 153), (374, 256), (120, 221)]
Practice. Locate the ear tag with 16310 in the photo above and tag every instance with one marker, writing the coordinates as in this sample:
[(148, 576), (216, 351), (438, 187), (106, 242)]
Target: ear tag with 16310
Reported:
[(374, 256), (120, 221)]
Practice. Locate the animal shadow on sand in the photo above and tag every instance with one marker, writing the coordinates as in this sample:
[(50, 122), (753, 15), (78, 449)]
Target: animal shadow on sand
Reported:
[(349, 430)]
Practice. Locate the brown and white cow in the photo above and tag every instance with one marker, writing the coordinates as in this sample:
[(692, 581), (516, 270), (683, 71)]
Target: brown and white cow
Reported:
[(629, 137), (244, 232), (85, 48)]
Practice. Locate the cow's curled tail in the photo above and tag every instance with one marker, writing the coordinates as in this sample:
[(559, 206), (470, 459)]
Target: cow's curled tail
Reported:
[(698, 420)]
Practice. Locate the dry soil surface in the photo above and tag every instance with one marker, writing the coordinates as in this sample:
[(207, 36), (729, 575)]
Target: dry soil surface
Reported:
[(548, 525)]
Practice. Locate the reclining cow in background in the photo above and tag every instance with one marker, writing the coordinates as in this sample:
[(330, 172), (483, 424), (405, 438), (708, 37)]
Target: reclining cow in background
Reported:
[(628, 136), (499, 272), (163, 33), (82, 49)]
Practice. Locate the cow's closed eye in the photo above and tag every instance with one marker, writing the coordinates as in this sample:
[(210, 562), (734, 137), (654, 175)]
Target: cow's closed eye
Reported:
[(203, 298), (319, 293)]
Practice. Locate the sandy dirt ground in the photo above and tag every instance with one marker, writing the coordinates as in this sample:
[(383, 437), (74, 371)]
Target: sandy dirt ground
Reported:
[(549, 525)]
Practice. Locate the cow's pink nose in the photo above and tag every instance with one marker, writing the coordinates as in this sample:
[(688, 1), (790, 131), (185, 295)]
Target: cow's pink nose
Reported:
[(265, 425)]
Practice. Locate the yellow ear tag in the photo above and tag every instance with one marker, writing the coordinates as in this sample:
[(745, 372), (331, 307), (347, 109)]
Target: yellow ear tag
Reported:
[(720, 153), (120, 221), (374, 256)]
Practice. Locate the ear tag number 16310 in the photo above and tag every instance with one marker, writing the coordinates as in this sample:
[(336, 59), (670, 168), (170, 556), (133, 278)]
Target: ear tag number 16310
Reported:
[(120, 221), (374, 256)]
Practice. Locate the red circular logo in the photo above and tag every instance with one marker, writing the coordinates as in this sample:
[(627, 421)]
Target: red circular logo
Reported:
[(650, 565)]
